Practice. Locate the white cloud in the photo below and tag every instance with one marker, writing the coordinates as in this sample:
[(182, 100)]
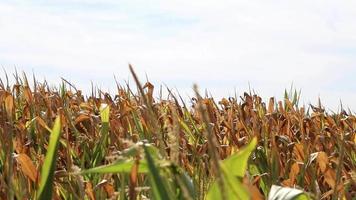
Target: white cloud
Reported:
[(267, 43)]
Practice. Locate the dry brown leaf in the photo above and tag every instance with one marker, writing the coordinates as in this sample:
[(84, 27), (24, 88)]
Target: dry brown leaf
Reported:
[(289, 104), (271, 105), (150, 89), (323, 161), (89, 190), (287, 183), (327, 194), (298, 152), (18, 145), (85, 106), (330, 177), (280, 106), (81, 118), (294, 171), (109, 188), (255, 194), (224, 102), (27, 167), (9, 105), (42, 123), (28, 95), (133, 180)]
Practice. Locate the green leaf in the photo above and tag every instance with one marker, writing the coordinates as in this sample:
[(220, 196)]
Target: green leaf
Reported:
[(232, 168), (191, 137), (254, 170), (101, 148), (286, 193), (158, 185), (234, 189), (184, 183), (237, 163), (47, 172), (187, 183), (104, 113), (214, 192), (122, 166)]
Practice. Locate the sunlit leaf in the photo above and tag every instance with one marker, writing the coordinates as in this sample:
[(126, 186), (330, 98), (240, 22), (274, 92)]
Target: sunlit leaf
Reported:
[(27, 167), (104, 113), (122, 166), (101, 147), (232, 168), (234, 189), (49, 164), (237, 163), (285, 193)]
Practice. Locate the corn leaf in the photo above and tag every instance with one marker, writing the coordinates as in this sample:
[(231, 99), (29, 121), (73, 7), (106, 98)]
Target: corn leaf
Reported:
[(286, 193), (234, 189), (49, 164), (118, 167), (159, 188), (237, 163), (232, 168), (101, 148)]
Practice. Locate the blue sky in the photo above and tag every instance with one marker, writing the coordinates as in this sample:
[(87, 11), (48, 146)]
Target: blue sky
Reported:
[(220, 45)]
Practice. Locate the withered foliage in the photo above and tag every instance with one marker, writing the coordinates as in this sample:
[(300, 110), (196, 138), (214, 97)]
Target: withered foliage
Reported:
[(298, 146)]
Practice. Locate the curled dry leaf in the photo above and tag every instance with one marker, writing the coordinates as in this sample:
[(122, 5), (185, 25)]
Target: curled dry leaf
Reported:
[(81, 118), (27, 167), (86, 106), (42, 123)]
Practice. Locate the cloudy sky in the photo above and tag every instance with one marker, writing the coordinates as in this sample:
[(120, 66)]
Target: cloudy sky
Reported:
[(221, 45)]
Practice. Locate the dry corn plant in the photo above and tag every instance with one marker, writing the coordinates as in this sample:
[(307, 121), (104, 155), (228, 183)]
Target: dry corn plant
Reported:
[(57, 143)]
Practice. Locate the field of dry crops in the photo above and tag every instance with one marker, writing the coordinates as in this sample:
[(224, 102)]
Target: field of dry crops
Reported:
[(57, 143)]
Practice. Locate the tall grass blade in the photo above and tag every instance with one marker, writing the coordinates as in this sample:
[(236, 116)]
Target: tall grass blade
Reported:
[(101, 148), (160, 192), (49, 164)]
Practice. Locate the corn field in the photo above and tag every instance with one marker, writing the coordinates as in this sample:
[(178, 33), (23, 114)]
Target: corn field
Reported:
[(57, 143)]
